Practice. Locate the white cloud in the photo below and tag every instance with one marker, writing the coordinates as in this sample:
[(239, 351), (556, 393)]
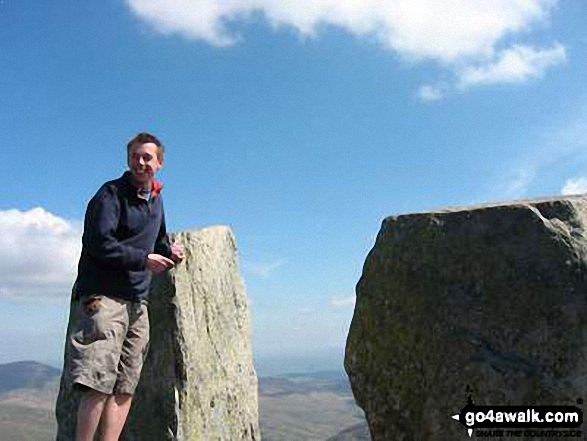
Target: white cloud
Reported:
[(560, 145), (306, 311), (39, 255), (521, 178), (342, 301), (462, 35), (429, 93), (444, 31), (514, 65), (575, 186), (264, 269)]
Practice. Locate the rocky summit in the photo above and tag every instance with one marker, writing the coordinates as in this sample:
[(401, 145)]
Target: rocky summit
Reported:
[(198, 381), (487, 302)]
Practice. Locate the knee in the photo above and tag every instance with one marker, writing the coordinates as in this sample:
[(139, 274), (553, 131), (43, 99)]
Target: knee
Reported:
[(122, 399), (87, 393)]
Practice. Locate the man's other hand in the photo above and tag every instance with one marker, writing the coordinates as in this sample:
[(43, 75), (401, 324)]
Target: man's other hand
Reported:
[(158, 263), (177, 253)]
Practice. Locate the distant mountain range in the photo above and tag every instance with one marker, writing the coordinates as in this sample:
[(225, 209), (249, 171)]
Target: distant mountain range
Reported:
[(296, 407), (25, 374), (27, 397)]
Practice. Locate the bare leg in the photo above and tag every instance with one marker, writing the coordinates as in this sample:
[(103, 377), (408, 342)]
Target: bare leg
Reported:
[(114, 416), (89, 414)]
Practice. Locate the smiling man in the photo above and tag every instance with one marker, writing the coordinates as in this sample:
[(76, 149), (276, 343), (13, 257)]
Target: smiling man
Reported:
[(124, 242)]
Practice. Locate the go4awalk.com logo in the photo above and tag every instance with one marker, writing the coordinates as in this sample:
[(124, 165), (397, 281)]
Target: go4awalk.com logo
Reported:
[(517, 421)]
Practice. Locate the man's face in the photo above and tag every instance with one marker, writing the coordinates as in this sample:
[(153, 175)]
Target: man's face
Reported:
[(143, 163)]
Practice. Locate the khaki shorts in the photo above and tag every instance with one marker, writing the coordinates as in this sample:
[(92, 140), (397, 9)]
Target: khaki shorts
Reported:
[(108, 343)]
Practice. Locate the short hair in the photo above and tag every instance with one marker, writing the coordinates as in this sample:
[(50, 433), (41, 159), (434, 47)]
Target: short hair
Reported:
[(144, 138)]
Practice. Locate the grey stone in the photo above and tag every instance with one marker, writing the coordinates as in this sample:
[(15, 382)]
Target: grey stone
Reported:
[(198, 381), (490, 297)]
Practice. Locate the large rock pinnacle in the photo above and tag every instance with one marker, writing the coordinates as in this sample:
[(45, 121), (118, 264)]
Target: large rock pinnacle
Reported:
[(198, 381), (493, 298)]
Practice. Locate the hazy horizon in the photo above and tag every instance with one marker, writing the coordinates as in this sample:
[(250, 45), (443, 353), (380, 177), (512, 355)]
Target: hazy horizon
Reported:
[(266, 365)]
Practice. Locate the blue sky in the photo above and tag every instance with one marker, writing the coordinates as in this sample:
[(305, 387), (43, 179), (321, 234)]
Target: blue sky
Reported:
[(299, 124)]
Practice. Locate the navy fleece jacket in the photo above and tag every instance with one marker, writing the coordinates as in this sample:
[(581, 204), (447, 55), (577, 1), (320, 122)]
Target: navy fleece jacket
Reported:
[(120, 231)]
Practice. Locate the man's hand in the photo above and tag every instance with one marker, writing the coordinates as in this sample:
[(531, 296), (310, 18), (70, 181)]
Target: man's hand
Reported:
[(158, 263), (177, 253)]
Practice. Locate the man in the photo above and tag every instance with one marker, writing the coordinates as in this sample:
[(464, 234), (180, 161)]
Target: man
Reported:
[(124, 242)]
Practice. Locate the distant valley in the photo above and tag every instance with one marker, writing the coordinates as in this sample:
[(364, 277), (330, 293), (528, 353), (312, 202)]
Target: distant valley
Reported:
[(308, 406)]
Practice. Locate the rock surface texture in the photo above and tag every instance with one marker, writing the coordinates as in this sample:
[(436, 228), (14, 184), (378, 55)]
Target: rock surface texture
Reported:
[(198, 381), (491, 297)]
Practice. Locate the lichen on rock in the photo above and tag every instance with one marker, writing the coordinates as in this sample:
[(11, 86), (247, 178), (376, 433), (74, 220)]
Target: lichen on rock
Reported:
[(489, 297)]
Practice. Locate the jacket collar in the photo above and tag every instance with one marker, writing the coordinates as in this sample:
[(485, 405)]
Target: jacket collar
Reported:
[(155, 188)]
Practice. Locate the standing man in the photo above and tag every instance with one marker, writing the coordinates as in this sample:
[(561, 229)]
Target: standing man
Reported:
[(124, 242)]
